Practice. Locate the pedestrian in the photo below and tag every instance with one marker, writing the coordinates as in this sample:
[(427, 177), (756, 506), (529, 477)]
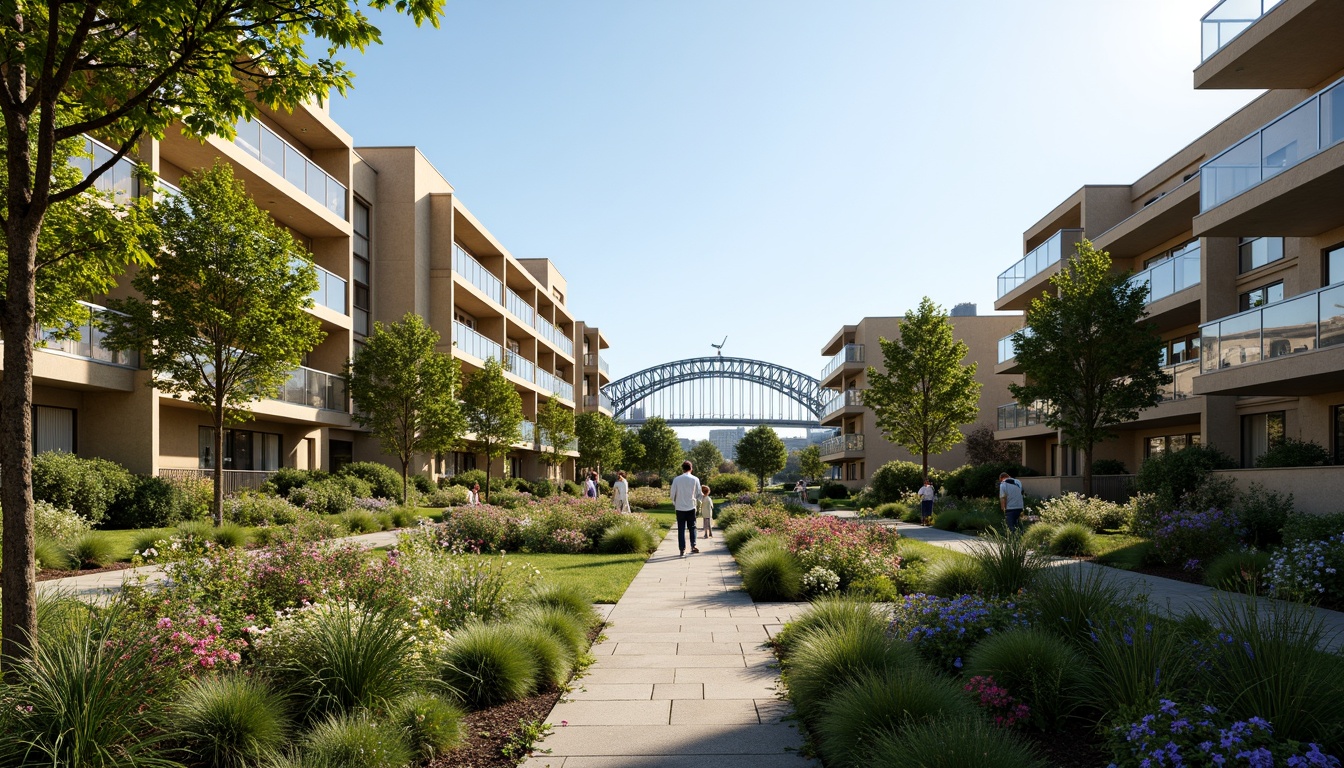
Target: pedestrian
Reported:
[(706, 510), (621, 489), (685, 499), (926, 494), (474, 497), (800, 488), (590, 486), (1010, 500)]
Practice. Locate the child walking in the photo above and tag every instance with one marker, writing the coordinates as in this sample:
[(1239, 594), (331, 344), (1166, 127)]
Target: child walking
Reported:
[(706, 510)]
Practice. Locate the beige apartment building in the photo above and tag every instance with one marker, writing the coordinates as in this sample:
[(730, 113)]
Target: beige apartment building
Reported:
[(388, 236), (859, 448), (1240, 238)]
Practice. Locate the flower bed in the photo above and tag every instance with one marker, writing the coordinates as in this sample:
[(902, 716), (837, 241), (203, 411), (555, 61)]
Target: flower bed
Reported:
[(561, 524)]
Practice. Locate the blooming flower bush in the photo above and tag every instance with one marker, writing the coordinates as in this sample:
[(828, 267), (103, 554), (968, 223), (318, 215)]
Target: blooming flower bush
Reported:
[(569, 541), (531, 527), (851, 551), (820, 581), (1167, 737), (192, 645), (1309, 571), (57, 523), (1095, 513), (647, 498), (944, 630), (1192, 538), (1002, 708)]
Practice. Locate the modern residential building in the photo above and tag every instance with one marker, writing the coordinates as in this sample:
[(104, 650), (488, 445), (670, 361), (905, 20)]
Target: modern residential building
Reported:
[(726, 440), (859, 448), (1240, 238), (388, 236)]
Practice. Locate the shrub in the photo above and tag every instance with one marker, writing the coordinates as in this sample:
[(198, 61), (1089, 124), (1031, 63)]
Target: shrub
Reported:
[(1038, 535), (953, 743), (50, 555), (1095, 513), (571, 488), (1070, 601), (466, 479), (895, 510), (827, 614), (286, 479), (826, 504), (92, 550), (488, 664), (229, 536), (151, 539), (950, 576), (1304, 526), (830, 489), (257, 509), (1294, 453), (549, 654), (885, 701), (462, 588), (738, 534), (339, 741), (627, 538), (232, 721), (1109, 467), (90, 487), (358, 521), (827, 660), (422, 483), (543, 487), (1041, 669), (820, 581), (432, 725), (328, 496), (893, 480), (1072, 540), (646, 498), (1309, 571), (981, 481), (569, 630), (448, 496), (1173, 474), (847, 549), (1240, 570), (57, 524), (1191, 538), (569, 598), (150, 502), (384, 481), (1007, 564), (770, 573), (943, 631), (1262, 515), (878, 588), (733, 483)]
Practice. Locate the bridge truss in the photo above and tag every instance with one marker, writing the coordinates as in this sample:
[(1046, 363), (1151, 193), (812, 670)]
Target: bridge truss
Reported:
[(709, 391)]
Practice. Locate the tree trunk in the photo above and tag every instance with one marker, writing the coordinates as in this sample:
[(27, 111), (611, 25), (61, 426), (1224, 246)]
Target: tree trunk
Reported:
[(489, 465), (217, 508), (405, 473), (18, 579), (926, 465), (1087, 470)]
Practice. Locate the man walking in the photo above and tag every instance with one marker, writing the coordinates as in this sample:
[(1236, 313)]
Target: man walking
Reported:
[(685, 500), (1010, 500), (926, 496)]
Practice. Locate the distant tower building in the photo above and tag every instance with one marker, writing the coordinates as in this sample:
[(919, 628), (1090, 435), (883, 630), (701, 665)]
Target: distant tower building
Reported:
[(726, 440), (964, 309)]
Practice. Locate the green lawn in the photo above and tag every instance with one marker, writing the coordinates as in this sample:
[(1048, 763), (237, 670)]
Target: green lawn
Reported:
[(602, 577), (1121, 550)]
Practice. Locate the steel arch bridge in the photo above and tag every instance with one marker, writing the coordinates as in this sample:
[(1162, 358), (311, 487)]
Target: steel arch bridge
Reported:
[(708, 391)]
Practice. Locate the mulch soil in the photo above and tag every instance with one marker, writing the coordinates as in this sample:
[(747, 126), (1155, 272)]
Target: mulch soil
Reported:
[(48, 574), (1074, 747)]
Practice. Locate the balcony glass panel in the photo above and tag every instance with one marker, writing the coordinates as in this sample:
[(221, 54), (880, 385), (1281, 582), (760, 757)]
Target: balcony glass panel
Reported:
[(520, 366), (556, 386), (1013, 415), (1228, 19), (1173, 275), (118, 181), (852, 353), (1332, 316), (474, 344), (555, 336), (842, 399), (1182, 381), (1308, 128), (89, 345), (284, 158), (852, 443), (315, 389), (520, 309), (467, 266), (330, 291), (1041, 257), (1289, 327), (528, 432)]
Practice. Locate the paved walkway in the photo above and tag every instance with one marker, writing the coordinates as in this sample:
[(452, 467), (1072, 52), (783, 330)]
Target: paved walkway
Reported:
[(682, 679)]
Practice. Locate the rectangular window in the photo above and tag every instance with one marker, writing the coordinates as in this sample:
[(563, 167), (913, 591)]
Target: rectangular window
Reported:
[(243, 449), (361, 247), (1334, 262), (53, 429), (1256, 252), (1155, 446), (339, 453), (1265, 294), (1259, 433)]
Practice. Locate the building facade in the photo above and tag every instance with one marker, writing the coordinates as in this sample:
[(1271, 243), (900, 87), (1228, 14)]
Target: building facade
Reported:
[(388, 236), (1239, 237)]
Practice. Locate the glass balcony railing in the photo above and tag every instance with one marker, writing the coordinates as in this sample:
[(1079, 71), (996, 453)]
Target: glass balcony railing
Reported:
[(1301, 324), (520, 309), (842, 444), (284, 158), (315, 389), (840, 400), (555, 336), (520, 366), (1173, 275), (472, 343), (603, 400), (1014, 415), (852, 353), (591, 360), (1308, 128), (1228, 19), (467, 266), (528, 432), (89, 345), (1041, 257), (119, 181), (555, 385), (1182, 381), (1007, 349), (331, 288)]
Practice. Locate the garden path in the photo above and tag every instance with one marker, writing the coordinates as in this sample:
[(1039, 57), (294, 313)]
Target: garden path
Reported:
[(1178, 596), (97, 587), (682, 678)]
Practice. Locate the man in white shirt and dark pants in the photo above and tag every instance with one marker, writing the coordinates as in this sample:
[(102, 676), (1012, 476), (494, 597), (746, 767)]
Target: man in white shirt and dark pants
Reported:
[(1010, 500), (685, 500)]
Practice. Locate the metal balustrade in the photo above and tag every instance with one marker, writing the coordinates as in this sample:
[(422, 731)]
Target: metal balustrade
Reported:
[(841, 400), (89, 345), (1228, 19), (474, 344), (1303, 323), (467, 266), (852, 443), (852, 353), (1182, 381), (1013, 415), (264, 144), (1041, 257), (316, 389), (1171, 275)]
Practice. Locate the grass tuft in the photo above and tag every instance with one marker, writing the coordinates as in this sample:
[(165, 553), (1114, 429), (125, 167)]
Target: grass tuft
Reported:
[(1040, 669), (886, 701), (770, 572), (1072, 540), (488, 664), (432, 725), (953, 743), (231, 721), (827, 659)]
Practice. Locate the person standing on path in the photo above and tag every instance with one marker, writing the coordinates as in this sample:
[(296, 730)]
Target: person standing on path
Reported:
[(685, 499), (621, 491), (590, 486), (800, 488), (926, 494), (1010, 500), (706, 510), (474, 495)]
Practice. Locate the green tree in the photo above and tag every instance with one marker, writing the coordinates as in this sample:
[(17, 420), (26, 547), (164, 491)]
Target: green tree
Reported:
[(599, 440), (810, 463), (706, 458), (126, 71), (494, 412), (1088, 355), (405, 392), (662, 449), (555, 428), (632, 449), (761, 453), (926, 393), (220, 318)]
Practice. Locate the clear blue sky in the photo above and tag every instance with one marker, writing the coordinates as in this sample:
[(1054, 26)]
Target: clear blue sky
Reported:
[(771, 170)]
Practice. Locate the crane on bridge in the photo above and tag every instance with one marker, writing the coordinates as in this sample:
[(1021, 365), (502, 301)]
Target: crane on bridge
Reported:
[(719, 346)]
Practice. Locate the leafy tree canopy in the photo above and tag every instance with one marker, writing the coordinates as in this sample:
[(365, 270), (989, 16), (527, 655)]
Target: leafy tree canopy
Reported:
[(494, 412), (810, 464), (662, 449), (761, 453), (706, 458), (555, 428), (599, 439)]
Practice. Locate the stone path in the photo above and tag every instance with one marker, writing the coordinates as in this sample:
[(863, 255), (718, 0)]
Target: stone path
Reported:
[(682, 678)]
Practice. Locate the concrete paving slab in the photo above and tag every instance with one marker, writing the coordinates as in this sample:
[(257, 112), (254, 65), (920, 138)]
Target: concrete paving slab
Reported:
[(762, 690), (708, 649), (605, 675), (611, 692), (631, 740), (619, 661), (773, 710), (678, 691), (697, 761), (690, 712), (599, 713), (646, 649)]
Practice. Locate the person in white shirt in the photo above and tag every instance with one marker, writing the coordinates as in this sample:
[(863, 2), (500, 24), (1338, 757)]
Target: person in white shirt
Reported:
[(685, 500), (1010, 500), (474, 497), (926, 495), (706, 510), (621, 489)]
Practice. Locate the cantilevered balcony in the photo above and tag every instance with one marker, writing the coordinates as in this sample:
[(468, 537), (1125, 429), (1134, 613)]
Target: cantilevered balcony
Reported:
[(315, 389), (1017, 284), (850, 357), (520, 366), (470, 342), (1290, 347), (1166, 280), (555, 336), (841, 404), (591, 360), (1270, 43), (554, 385), (286, 160), (1285, 179), (475, 273), (1228, 19), (1016, 416), (119, 181), (841, 446)]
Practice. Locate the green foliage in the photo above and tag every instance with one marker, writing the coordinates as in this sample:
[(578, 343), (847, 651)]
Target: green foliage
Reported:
[(355, 739), (599, 440), (1087, 352), (432, 725), (1038, 535), (230, 536), (51, 555), (810, 464), (981, 481), (1071, 601), (732, 483), (358, 521), (555, 429), (1094, 513), (91, 487), (1007, 565), (92, 550), (832, 490), (953, 743), (830, 613), (952, 576), (569, 598), (661, 449), (895, 479), (286, 479), (1137, 658), (629, 537), (328, 496), (255, 509), (770, 572), (494, 412), (983, 448), (632, 451), (1173, 474), (738, 534), (1294, 453), (1037, 668), (488, 664), (1072, 540), (568, 629), (706, 458), (885, 701), (384, 482), (550, 655), (1263, 514), (233, 721), (762, 453), (1109, 467), (1304, 526), (1237, 571), (827, 660)]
